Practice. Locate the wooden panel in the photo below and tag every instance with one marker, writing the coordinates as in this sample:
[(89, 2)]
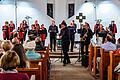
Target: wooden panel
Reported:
[(114, 60), (91, 55), (96, 53), (104, 62), (32, 71)]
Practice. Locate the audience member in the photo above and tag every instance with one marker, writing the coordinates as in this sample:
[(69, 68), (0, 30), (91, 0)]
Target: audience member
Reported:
[(31, 54), (108, 45), (6, 46), (19, 49), (118, 43), (9, 63), (39, 46)]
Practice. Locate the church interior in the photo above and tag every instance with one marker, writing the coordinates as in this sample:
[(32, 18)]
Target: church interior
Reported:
[(59, 40)]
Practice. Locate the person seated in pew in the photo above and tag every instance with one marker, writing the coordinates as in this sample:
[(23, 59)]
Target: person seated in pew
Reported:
[(117, 68), (108, 45), (118, 43), (9, 62), (6, 46), (19, 49), (30, 46), (39, 45)]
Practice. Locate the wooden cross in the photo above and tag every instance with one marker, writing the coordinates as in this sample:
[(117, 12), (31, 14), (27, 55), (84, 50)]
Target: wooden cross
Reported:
[(80, 17)]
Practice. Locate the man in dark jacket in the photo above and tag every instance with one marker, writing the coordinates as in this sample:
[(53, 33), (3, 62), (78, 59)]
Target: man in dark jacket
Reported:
[(53, 30), (65, 37), (72, 30)]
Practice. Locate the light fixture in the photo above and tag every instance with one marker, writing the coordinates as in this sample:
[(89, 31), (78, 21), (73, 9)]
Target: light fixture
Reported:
[(86, 1)]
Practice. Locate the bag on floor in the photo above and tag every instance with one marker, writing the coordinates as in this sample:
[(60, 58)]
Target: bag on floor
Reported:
[(85, 60)]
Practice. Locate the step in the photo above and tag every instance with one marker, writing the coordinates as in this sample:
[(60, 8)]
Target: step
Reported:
[(59, 53), (59, 56)]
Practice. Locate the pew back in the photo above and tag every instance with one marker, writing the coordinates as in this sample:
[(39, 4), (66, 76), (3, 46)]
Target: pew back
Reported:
[(114, 60), (32, 71), (104, 62)]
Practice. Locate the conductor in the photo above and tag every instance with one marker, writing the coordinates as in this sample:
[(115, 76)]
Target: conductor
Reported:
[(64, 36)]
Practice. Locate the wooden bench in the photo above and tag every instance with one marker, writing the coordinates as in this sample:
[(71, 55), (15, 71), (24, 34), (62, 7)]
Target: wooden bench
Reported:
[(96, 53), (114, 60), (33, 71), (104, 62), (33, 63), (118, 76), (44, 61), (91, 55)]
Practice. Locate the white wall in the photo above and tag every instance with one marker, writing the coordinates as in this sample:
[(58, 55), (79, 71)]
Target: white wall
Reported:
[(107, 10)]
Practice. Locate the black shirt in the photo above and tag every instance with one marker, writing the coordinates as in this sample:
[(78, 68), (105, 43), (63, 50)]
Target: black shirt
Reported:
[(53, 30), (65, 35)]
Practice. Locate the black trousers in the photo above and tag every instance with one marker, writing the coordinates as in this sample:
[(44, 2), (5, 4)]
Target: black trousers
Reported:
[(25, 35), (72, 42), (86, 45), (43, 42), (53, 42), (84, 54), (65, 48), (7, 36)]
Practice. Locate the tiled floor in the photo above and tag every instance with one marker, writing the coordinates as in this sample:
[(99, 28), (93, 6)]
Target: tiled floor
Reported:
[(70, 72)]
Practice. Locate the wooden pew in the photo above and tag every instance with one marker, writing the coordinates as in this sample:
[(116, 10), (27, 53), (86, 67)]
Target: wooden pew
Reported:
[(96, 53), (91, 55), (104, 62), (44, 61), (118, 76), (33, 63), (114, 60), (33, 71)]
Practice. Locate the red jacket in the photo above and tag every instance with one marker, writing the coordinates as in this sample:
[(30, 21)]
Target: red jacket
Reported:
[(6, 30), (43, 33), (21, 32)]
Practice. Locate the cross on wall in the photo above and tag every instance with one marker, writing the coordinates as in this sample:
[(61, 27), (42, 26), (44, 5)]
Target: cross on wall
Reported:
[(80, 17)]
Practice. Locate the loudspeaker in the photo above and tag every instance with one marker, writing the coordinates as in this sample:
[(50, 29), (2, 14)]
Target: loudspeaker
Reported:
[(71, 10), (50, 9)]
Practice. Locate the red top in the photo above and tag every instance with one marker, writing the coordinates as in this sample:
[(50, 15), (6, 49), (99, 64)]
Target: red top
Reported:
[(13, 76)]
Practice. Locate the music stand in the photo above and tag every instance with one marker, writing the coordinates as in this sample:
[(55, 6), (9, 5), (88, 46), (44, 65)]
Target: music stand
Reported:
[(78, 60), (61, 52)]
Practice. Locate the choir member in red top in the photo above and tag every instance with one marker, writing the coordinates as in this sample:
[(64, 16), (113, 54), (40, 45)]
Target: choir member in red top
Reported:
[(113, 28), (6, 31), (21, 33), (43, 33), (12, 27), (32, 33), (25, 26), (37, 26)]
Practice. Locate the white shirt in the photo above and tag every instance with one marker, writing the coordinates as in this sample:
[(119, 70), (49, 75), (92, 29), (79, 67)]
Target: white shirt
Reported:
[(108, 46)]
